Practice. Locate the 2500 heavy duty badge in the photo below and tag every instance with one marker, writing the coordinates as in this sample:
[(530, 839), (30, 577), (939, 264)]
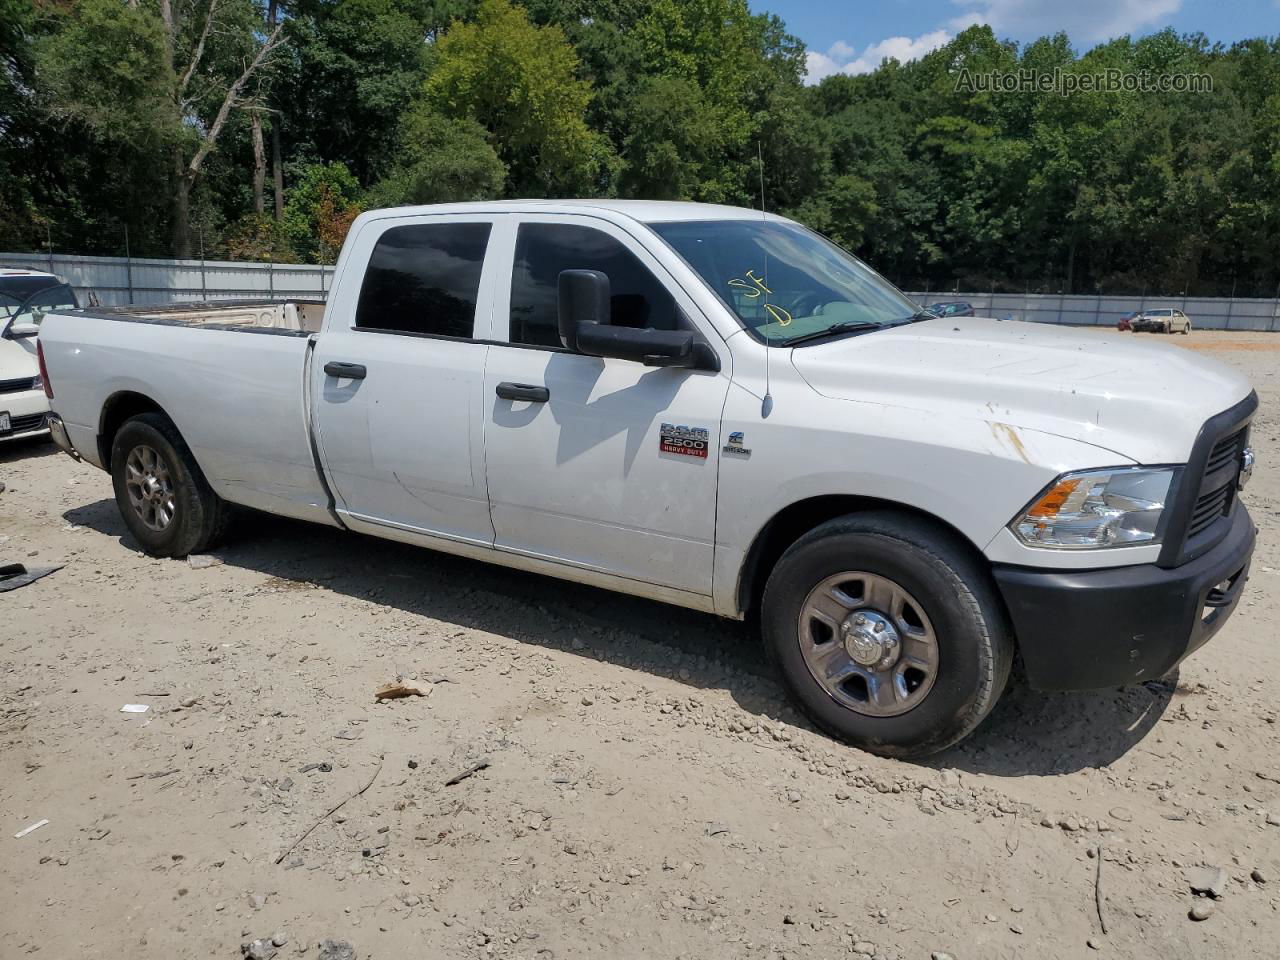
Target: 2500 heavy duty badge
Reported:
[(685, 441)]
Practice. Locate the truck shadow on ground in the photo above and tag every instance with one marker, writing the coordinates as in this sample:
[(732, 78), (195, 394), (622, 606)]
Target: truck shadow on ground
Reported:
[(1028, 733)]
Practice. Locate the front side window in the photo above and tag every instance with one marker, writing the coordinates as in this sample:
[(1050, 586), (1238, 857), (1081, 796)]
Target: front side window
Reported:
[(786, 283), (543, 250), (424, 278)]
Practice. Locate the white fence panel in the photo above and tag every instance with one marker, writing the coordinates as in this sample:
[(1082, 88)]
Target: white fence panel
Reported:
[(1206, 313), (117, 280)]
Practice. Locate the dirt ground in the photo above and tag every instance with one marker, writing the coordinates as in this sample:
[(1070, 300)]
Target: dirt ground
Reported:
[(648, 791)]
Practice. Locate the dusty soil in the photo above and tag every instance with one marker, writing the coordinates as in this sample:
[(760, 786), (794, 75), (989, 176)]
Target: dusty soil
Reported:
[(648, 793)]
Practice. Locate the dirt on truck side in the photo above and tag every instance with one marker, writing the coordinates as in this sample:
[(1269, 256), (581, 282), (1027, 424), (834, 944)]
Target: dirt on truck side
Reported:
[(571, 773)]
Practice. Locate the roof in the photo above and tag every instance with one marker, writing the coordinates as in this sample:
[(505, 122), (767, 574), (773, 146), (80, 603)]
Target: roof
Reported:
[(644, 211)]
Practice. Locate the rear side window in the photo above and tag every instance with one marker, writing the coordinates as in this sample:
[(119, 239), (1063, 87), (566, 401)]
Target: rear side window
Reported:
[(423, 278), (544, 249)]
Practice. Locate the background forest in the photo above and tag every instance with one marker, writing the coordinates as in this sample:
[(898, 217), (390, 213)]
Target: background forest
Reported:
[(253, 131)]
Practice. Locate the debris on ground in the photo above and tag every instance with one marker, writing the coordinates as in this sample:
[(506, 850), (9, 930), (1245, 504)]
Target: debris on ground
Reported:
[(135, 708), (336, 950), (202, 561), (1208, 881), (263, 949), (473, 769), (31, 829), (15, 575), (395, 691)]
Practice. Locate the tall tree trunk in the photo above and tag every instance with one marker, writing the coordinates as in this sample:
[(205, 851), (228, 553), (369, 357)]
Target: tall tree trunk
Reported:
[(277, 169), (259, 163), (277, 166), (181, 207)]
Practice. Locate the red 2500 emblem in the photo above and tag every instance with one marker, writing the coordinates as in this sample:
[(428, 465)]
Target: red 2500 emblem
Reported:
[(684, 441)]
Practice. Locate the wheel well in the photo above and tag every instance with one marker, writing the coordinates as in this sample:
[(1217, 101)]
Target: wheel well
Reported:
[(794, 521), (119, 408)]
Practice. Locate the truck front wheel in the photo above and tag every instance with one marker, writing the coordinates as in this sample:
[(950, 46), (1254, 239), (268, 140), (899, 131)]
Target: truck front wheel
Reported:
[(163, 497), (887, 633)]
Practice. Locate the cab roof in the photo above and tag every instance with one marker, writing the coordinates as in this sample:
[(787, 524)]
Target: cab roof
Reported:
[(643, 211)]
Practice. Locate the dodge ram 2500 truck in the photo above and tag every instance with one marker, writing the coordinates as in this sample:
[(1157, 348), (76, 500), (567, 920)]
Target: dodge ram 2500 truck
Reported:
[(710, 407)]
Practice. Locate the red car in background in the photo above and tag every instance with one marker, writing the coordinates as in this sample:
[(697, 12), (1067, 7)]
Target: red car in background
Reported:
[(1126, 322)]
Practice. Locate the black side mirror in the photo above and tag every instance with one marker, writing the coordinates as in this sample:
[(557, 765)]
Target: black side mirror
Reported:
[(584, 311), (584, 297), (654, 348)]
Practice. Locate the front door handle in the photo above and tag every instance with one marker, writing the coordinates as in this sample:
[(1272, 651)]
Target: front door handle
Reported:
[(345, 371), (523, 391)]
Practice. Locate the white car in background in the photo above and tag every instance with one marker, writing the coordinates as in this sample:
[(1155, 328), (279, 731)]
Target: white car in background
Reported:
[(1164, 320), (25, 297)]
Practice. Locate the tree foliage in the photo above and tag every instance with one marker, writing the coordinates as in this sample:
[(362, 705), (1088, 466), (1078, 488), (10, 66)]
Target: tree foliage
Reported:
[(116, 113)]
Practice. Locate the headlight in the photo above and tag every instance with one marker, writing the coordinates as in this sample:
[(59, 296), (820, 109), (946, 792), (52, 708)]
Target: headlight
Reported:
[(1097, 508)]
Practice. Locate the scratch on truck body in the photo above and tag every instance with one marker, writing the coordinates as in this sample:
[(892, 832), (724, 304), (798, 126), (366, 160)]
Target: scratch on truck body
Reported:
[(1008, 433)]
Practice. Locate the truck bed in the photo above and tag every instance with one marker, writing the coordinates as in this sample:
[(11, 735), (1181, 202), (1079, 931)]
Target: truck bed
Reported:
[(299, 317), (241, 402)]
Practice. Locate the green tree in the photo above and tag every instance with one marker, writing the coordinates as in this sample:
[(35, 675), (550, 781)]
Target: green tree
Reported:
[(518, 81), (167, 76), (440, 159)]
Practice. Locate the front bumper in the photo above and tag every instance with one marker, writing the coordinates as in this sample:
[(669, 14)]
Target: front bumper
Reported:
[(27, 413), (1084, 629)]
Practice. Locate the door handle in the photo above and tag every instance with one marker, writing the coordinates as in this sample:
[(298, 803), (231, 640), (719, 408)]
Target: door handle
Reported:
[(523, 391), (345, 371)]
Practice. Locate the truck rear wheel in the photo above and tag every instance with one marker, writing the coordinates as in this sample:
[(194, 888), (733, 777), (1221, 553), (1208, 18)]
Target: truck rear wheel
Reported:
[(163, 497), (887, 633)]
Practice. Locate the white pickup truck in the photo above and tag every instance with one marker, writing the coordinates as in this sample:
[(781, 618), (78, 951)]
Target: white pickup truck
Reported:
[(713, 408)]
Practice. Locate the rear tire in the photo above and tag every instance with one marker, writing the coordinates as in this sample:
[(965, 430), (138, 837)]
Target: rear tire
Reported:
[(907, 595), (165, 501)]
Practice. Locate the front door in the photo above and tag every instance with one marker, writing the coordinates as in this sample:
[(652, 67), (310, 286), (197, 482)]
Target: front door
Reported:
[(600, 463), (398, 374)]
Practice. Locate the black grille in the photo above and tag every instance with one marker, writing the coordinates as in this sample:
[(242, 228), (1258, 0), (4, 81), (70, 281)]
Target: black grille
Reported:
[(16, 386), (1209, 507), (1224, 451), (31, 421)]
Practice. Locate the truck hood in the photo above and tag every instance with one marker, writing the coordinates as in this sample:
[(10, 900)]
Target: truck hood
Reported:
[(1142, 400)]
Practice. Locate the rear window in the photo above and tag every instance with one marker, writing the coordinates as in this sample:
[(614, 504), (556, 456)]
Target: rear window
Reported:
[(424, 278)]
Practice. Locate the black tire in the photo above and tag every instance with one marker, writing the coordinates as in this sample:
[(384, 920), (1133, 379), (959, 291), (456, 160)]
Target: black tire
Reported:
[(199, 516), (974, 644)]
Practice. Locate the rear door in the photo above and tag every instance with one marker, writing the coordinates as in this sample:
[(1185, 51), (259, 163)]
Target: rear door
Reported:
[(614, 468), (398, 373)]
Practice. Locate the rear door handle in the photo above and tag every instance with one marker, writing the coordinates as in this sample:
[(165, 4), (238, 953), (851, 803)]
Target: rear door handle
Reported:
[(345, 371), (523, 391)]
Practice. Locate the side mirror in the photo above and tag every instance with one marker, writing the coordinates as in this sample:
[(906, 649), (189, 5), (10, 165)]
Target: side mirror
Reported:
[(584, 298), (654, 348), (19, 330), (583, 318)]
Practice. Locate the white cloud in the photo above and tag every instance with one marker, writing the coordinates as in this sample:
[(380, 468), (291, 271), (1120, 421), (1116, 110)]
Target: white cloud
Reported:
[(1086, 21), (842, 58)]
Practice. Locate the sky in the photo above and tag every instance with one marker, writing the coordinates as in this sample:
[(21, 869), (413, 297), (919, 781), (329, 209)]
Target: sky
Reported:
[(853, 36)]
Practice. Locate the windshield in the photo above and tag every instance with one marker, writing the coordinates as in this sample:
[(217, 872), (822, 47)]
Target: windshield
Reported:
[(29, 305), (782, 281)]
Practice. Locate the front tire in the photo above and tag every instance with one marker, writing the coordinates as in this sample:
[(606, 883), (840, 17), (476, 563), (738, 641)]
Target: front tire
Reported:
[(887, 633), (163, 496)]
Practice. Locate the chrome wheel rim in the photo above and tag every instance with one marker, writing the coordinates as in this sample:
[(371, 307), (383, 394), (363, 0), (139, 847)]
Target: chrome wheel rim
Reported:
[(868, 643), (149, 485)]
